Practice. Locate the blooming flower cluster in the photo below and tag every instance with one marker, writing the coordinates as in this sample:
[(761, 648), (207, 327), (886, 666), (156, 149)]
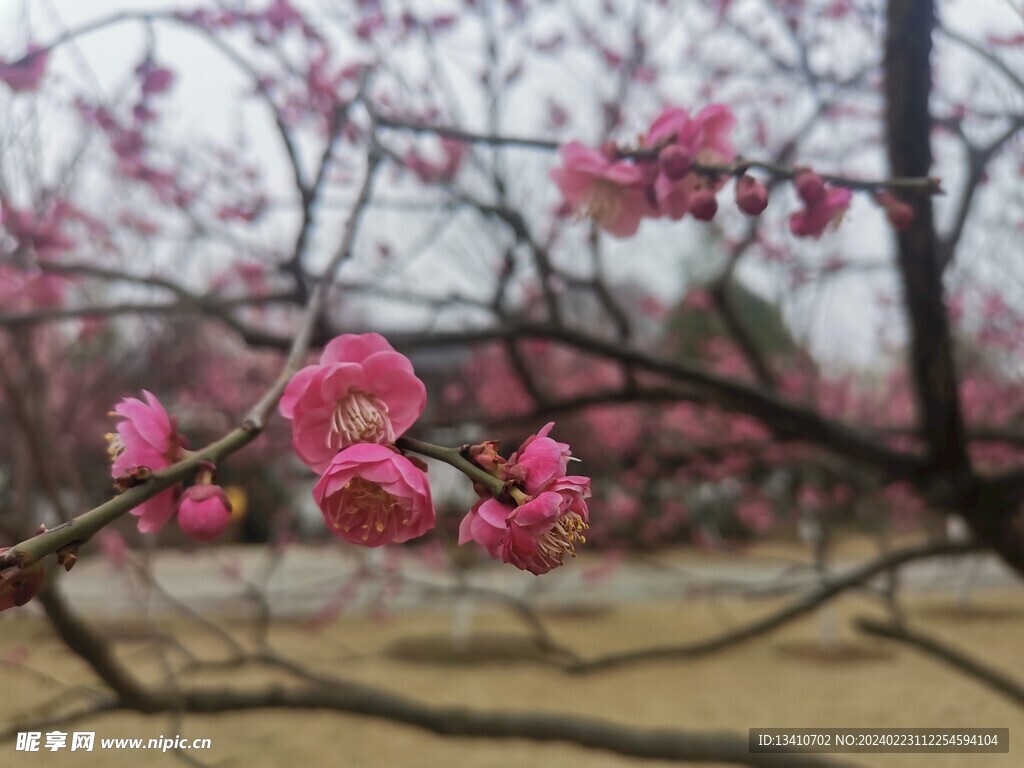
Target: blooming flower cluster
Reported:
[(618, 189), (347, 411), (146, 441), (678, 167), (552, 516)]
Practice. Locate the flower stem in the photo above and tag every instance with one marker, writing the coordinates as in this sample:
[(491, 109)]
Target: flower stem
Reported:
[(454, 457)]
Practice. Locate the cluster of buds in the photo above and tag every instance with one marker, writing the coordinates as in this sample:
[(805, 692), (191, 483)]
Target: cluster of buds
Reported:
[(619, 188), (677, 169)]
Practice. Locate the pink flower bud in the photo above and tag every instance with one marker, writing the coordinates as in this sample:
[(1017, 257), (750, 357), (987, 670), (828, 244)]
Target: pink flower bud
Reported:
[(19, 585), (486, 455), (900, 214), (810, 186), (703, 205), (675, 162), (751, 195), (204, 512)]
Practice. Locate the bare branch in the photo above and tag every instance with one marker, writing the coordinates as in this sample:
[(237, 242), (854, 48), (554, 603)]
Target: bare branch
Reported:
[(984, 674), (800, 607)]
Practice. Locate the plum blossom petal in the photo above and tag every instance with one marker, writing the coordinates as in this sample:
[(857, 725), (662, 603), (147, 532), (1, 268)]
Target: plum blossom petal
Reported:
[(536, 535), (362, 391), (146, 439), (814, 218), (371, 495), (155, 513), (612, 193)]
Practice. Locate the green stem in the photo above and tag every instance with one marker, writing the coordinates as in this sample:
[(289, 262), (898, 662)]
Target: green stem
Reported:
[(84, 527), (454, 457)]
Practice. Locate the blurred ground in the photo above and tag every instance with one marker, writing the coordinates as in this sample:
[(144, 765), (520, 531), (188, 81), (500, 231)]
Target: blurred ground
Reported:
[(777, 681)]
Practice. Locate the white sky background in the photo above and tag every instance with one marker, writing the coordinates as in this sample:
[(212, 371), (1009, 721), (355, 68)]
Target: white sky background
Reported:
[(839, 315)]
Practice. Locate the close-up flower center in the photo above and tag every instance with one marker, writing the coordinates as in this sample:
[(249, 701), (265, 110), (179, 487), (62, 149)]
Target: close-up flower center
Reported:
[(115, 445), (363, 504), (359, 418), (562, 538), (603, 202)]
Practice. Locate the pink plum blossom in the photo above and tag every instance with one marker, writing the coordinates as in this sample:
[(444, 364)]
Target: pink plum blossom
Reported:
[(612, 193), (204, 512), (539, 460), (535, 535), (814, 218), (147, 440), (40, 232), (361, 391), (26, 73), (704, 138), (371, 495)]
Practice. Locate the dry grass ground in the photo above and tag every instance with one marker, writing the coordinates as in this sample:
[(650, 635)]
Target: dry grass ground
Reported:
[(776, 681)]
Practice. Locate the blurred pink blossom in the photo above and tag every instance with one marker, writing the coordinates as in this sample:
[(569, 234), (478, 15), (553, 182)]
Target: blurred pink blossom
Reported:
[(814, 218), (704, 138), (26, 73), (612, 193)]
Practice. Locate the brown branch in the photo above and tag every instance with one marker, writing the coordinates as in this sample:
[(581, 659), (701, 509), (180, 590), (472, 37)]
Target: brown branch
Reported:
[(804, 605), (785, 418), (977, 164), (357, 699), (739, 167), (210, 304), (981, 672), (907, 89)]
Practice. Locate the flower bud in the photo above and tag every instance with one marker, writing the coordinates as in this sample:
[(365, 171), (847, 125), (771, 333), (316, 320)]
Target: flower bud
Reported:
[(703, 204), (675, 162), (810, 186), (751, 195), (204, 512)]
